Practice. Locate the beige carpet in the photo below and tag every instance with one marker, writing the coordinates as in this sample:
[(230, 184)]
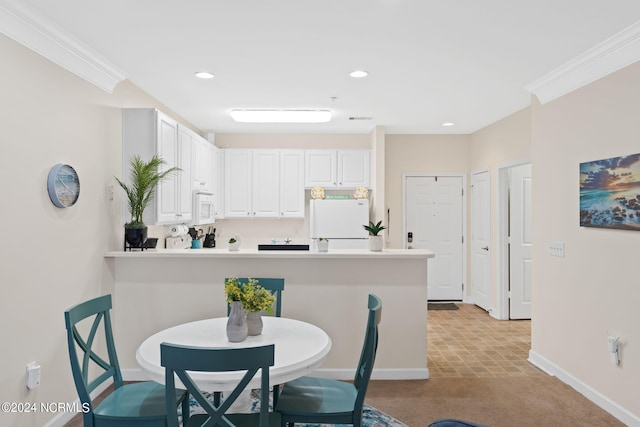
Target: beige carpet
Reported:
[(497, 402)]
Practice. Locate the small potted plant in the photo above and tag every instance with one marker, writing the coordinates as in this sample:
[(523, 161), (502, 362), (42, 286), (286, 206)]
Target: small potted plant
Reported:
[(145, 177), (234, 243), (323, 245), (375, 240)]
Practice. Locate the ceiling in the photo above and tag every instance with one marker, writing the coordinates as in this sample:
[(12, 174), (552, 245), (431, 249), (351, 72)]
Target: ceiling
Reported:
[(429, 62)]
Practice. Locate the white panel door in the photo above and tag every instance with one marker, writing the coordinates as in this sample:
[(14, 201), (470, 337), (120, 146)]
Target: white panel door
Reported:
[(480, 239), (434, 219), (521, 244)]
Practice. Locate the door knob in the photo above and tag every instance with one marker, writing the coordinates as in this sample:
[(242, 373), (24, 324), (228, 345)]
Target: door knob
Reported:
[(486, 248)]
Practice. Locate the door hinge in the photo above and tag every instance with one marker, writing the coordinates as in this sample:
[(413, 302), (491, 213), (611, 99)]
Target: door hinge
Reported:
[(462, 190), (462, 287)]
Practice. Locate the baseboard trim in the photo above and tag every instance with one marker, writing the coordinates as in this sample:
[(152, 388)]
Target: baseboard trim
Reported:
[(335, 374), (593, 395), (63, 418)]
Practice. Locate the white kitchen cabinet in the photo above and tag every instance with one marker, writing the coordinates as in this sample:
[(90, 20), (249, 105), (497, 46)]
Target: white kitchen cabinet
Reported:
[(219, 180), (321, 168), (146, 132), (237, 183), (292, 184), (264, 183), (337, 168), (354, 168), (265, 189)]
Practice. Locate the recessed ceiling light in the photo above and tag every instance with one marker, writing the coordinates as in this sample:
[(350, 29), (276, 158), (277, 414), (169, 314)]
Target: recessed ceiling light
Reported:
[(204, 75), (281, 116), (359, 74), (448, 124)]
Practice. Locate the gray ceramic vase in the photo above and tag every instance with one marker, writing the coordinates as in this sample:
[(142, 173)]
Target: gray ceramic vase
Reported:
[(254, 322), (237, 323)]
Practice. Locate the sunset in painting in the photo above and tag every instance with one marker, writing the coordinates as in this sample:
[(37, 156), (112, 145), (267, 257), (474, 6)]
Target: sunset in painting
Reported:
[(610, 193)]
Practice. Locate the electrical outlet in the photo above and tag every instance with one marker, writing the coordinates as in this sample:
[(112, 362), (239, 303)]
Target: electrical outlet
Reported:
[(556, 249)]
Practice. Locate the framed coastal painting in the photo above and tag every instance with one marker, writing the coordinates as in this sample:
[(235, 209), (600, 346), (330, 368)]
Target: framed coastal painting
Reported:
[(610, 193)]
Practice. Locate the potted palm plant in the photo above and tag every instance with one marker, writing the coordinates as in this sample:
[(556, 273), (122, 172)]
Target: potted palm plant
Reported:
[(145, 177), (375, 240)]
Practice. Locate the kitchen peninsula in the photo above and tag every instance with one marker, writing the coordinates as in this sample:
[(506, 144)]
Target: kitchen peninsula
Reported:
[(156, 289)]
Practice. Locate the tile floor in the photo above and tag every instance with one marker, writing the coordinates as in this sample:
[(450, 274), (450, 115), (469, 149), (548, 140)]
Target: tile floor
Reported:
[(469, 343)]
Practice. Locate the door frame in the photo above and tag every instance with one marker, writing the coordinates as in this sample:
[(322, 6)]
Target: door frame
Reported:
[(502, 308), (465, 296)]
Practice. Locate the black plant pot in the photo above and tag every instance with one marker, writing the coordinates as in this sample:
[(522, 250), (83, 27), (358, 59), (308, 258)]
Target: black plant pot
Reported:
[(135, 237)]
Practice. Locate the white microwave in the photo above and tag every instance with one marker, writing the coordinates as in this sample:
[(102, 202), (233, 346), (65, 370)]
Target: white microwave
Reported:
[(204, 209)]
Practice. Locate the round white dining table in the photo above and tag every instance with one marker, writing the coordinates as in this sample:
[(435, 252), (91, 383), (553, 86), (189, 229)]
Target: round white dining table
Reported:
[(300, 348)]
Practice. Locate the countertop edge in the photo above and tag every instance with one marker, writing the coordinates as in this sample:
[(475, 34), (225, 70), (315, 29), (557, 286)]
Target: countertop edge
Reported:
[(248, 254)]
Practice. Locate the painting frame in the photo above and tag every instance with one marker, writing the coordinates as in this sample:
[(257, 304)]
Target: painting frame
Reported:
[(610, 193)]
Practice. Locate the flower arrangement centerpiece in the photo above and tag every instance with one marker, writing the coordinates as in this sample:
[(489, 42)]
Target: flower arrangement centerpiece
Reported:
[(253, 299)]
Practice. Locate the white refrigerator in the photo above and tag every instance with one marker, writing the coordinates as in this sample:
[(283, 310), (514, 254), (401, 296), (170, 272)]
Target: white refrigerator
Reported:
[(341, 221)]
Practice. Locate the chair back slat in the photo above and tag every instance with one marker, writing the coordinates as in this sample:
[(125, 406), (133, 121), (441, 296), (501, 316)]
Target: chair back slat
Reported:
[(179, 360), (369, 350), (81, 348), (273, 285)]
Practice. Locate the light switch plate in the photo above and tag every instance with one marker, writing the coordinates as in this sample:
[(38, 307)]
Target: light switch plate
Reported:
[(556, 249)]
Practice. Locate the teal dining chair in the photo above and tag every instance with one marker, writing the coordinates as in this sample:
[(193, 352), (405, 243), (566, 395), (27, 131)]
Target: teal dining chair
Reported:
[(179, 361), (140, 404), (313, 400), (273, 285)]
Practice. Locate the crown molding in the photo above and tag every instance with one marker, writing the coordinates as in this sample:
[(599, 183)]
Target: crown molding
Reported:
[(613, 54), (29, 28)]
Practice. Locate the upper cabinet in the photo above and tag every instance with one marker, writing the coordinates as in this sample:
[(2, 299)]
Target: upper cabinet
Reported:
[(263, 183), (203, 165), (337, 168), (147, 131), (291, 183)]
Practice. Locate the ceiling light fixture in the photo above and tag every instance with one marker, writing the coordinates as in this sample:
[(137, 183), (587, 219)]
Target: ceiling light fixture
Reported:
[(448, 124), (358, 74), (281, 116), (204, 75)]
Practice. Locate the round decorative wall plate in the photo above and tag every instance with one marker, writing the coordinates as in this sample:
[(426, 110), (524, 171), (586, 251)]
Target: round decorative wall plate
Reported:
[(63, 185)]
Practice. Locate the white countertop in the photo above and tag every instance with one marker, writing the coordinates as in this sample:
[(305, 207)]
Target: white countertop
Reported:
[(254, 253)]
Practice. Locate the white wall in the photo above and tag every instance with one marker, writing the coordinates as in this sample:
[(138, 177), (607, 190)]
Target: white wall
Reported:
[(52, 258), (418, 154), (594, 288)]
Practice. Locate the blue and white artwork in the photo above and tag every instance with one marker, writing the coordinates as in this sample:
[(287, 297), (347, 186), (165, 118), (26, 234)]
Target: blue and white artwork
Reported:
[(610, 193)]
